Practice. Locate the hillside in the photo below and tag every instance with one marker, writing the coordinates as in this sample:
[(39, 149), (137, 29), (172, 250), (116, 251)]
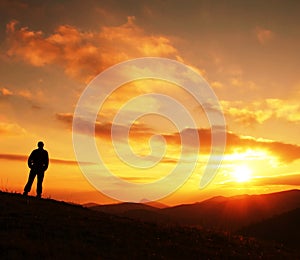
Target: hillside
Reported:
[(283, 228), (233, 213), (220, 213), (121, 208), (138, 211), (44, 228)]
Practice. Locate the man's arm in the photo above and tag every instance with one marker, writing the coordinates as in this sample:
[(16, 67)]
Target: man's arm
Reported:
[(46, 161), (30, 160)]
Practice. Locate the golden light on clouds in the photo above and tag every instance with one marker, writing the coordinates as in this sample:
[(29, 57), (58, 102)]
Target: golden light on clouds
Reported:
[(94, 51)]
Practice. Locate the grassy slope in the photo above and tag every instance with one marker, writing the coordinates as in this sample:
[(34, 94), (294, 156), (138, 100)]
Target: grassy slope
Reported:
[(284, 228), (49, 229)]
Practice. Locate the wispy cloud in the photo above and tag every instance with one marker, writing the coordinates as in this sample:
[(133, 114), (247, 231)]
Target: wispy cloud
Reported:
[(24, 94), (23, 158), (287, 179), (277, 180), (263, 35), (5, 92), (11, 129), (257, 112), (104, 130)]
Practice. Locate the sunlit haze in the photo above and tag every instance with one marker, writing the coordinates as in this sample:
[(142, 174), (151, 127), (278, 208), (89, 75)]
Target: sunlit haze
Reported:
[(247, 51)]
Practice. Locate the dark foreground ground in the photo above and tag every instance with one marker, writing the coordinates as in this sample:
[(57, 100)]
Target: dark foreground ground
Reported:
[(48, 229)]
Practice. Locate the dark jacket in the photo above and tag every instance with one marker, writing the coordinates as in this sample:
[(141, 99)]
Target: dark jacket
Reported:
[(38, 160)]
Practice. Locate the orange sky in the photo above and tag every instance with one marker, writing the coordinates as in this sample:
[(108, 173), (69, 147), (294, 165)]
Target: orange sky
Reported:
[(248, 51)]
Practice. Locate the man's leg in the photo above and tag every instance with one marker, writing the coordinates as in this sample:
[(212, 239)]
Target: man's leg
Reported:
[(39, 187), (28, 185)]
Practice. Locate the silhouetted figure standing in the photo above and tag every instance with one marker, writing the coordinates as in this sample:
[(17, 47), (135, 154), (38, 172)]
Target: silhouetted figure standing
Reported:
[(38, 163)]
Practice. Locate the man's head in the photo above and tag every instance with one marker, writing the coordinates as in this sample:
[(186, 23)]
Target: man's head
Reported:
[(40, 145)]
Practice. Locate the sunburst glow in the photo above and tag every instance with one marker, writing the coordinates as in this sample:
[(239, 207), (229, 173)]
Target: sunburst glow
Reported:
[(242, 173)]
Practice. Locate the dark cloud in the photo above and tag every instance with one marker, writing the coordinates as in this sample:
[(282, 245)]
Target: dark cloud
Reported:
[(23, 158), (103, 130), (234, 143)]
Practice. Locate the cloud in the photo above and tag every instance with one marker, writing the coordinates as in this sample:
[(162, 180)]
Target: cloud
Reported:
[(263, 35), (84, 54), (65, 117), (23, 93), (5, 92), (103, 130), (23, 158), (279, 180), (238, 82), (139, 179), (246, 115), (13, 157), (257, 112), (285, 153), (284, 109), (216, 84), (238, 144), (11, 129), (17, 99), (290, 179)]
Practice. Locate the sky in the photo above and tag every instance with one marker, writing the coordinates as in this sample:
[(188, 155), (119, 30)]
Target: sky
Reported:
[(247, 51)]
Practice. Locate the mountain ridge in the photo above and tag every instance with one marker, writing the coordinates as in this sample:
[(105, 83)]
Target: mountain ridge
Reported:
[(224, 213)]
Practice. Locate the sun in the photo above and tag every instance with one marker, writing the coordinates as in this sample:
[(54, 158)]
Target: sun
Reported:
[(241, 173)]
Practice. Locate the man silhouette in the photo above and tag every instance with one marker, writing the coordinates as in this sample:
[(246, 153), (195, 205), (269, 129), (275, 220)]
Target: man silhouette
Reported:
[(38, 163)]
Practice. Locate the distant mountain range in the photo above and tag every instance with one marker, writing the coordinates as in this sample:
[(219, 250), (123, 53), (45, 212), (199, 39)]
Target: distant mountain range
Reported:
[(230, 214)]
